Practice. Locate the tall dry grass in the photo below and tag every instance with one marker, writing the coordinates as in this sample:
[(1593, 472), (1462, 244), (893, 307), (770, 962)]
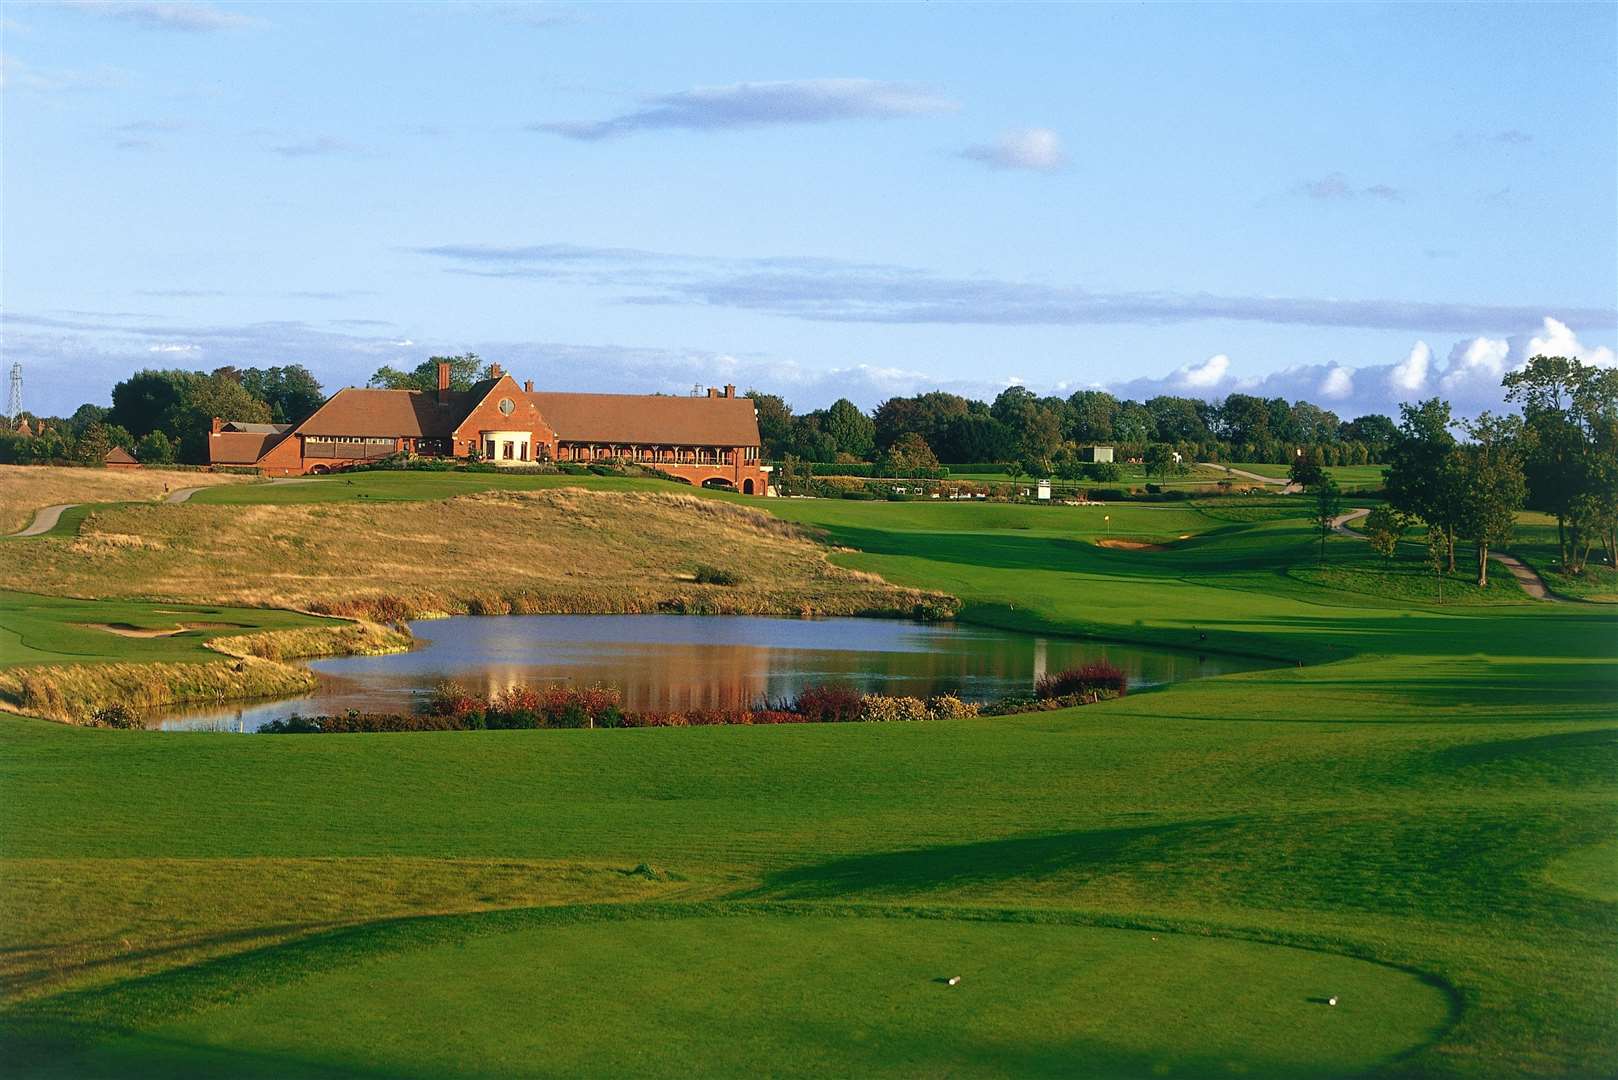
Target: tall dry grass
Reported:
[(349, 639), (73, 692), (26, 488), (559, 551)]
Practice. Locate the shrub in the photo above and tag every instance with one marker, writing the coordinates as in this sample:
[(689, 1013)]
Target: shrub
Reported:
[(450, 699), (116, 715), (828, 704), (715, 575), (950, 707), (881, 709), (1091, 678), (292, 725)]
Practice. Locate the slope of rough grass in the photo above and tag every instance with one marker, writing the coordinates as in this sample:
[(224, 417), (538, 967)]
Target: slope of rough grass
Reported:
[(554, 551), (26, 488)]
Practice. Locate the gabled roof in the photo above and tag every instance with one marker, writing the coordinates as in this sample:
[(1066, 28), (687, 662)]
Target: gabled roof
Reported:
[(119, 456), (649, 419), (388, 413), (240, 447), (256, 429)]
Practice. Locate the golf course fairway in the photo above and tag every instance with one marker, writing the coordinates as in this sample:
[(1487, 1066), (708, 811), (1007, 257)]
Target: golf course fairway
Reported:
[(809, 995)]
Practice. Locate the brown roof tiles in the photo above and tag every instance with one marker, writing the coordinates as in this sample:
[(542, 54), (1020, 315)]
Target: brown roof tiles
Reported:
[(650, 419)]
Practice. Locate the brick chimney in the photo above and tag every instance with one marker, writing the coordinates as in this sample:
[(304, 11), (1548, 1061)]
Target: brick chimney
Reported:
[(528, 386), (713, 391), (443, 382), (494, 371), (218, 425), (730, 389)]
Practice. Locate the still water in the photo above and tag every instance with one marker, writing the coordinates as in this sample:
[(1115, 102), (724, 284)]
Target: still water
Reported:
[(689, 661)]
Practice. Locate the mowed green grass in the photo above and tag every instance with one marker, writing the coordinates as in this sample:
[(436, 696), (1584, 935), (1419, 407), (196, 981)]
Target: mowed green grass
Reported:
[(1425, 791), (813, 996), (52, 629)]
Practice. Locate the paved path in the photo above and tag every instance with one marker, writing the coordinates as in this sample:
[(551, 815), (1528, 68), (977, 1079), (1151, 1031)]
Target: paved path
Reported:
[(181, 495), (45, 519), (1287, 486), (1531, 582)]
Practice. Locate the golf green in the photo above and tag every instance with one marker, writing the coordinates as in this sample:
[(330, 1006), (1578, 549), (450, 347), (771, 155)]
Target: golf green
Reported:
[(807, 995)]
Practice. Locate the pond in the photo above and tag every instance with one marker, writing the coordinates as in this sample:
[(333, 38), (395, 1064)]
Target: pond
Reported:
[(669, 662)]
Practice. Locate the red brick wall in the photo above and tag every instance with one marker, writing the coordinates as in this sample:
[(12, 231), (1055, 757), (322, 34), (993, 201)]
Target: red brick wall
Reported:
[(486, 416)]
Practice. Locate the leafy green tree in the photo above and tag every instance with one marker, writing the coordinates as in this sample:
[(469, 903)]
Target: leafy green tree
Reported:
[(1102, 472), (203, 398), (1306, 470), (92, 445), (1326, 503), (1177, 419), (465, 370), (291, 392), (1089, 416), (1160, 461), (774, 423), (975, 437), (147, 399), (1384, 528), (155, 449), (910, 455), (1424, 476), (1493, 485), (850, 429)]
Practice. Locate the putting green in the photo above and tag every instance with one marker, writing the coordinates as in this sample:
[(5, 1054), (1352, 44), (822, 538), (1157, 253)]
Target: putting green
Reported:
[(800, 994)]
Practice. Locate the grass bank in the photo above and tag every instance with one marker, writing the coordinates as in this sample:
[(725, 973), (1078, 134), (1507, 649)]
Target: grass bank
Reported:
[(26, 488)]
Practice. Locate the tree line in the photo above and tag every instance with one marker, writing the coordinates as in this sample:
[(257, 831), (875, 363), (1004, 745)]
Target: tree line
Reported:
[(1558, 456), (1043, 435)]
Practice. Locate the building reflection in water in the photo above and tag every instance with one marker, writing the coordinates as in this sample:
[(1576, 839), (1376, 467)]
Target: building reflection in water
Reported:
[(677, 662)]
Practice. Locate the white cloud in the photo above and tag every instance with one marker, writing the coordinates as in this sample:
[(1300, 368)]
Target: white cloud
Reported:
[(1410, 374), (1035, 149), (182, 349), (1338, 383), (1479, 360), (1556, 339), (194, 18), (1198, 376)]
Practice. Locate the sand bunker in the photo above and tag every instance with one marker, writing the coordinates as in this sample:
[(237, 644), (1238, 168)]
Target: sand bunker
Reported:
[(126, 630), (1130, 545)]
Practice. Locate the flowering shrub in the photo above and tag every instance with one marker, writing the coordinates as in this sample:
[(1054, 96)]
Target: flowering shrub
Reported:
[(116, 715), (1091, 678), (881, 709), (950, 707)]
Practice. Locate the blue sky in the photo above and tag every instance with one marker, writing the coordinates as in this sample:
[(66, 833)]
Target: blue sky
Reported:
[(1356, 204)]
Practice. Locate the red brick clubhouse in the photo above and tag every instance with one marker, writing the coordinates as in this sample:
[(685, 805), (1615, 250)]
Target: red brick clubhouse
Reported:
[(710, 440)]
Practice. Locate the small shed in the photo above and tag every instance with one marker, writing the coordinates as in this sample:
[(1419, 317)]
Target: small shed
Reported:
[(1095, 453), (119, 458)]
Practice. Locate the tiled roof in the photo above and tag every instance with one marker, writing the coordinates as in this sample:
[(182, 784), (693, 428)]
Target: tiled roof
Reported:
[(257, 429), (649, 419), (411, 413), (119, 456), (239, 447)]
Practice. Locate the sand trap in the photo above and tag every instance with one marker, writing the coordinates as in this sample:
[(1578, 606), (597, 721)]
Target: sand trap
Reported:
[(1130, 545), (126, 630)]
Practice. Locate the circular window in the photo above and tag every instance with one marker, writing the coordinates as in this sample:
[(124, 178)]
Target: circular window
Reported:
[(507, 406)]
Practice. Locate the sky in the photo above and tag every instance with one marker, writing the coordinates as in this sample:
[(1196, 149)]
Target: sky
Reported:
[(1355, 205)]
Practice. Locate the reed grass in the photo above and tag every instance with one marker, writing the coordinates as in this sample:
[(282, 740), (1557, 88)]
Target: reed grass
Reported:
[(73, 692), (26, 488)]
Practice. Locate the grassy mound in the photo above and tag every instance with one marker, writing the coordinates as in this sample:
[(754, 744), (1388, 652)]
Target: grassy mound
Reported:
[(26, 488), (811, 996)]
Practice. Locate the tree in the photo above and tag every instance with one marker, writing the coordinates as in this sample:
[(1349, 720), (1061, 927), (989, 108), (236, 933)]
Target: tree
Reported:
[(1177, 419), (202, 398), (1384, 528), (851, 430), (1376, 431), (1039, 438), (465, 370), (1306, 470), (1437, 551), (155, 449), (975, 437), (291, 392), (1494, 487), (146, 400), (1424, 478), (774, 423), (1089, 416), (1244, 420), (92, 445), (1326, 505), (1160, 461), (911, 455)]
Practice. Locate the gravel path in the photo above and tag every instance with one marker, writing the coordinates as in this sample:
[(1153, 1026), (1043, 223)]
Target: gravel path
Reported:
[(1531, 582)]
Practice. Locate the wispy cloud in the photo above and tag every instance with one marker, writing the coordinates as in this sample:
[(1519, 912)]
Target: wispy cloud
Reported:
[(333, 294), (1035, 149), (1335, 187), (824, 290), (761, 104), (17, 75), (193, 18), (315, 146)]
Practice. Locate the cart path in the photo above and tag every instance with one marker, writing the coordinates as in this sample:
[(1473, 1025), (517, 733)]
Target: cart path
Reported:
[(1531, 582), (45, 519), (1287, 487)]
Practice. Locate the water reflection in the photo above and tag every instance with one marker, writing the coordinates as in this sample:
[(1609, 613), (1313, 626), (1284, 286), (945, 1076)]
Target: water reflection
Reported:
[(684, 662)]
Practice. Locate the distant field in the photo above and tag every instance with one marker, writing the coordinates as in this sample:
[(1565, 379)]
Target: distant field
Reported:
[(1132, 475), (1348, 477)]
